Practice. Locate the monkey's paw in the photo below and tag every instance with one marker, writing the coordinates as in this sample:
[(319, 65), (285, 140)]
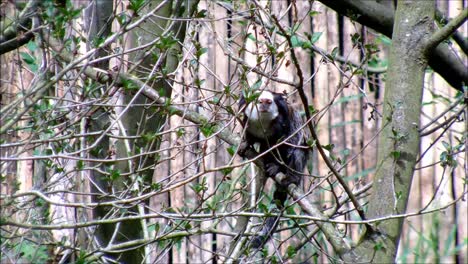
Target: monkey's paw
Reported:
[(243, 147), (272, 169)]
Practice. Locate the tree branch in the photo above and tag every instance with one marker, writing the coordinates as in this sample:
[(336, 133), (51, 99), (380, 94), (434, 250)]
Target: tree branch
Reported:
[(14, 43), (368, 13), (380, 18), (303, 97), (314, 48), (457, 37), (335, 237), (446, 31), (11, 38)]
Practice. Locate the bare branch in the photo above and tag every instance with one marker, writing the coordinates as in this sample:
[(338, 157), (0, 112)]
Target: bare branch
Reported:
[(17, 34), (443, 33), (457, 37), (380, 18)]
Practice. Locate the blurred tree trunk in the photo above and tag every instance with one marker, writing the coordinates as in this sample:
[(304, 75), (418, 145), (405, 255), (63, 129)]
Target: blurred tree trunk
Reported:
[(399, 140), (142, 120), (96, 23)]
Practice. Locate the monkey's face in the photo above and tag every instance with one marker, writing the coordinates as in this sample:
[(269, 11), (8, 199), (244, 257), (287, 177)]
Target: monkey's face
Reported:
[(264, 111)]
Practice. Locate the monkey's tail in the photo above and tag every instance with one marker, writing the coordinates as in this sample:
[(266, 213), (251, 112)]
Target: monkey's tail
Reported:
[(271, 223)]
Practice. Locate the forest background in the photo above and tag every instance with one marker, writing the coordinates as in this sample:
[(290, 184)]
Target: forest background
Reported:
[(120, 126)]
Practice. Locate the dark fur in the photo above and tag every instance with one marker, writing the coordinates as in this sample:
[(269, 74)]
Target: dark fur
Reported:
[(285, 158)]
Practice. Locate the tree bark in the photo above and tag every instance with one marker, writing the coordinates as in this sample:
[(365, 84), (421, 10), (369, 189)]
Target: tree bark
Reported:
[(142, 120), (399, 140)]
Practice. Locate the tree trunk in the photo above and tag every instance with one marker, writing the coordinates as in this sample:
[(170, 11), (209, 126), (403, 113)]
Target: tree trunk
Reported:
[(399, 140)]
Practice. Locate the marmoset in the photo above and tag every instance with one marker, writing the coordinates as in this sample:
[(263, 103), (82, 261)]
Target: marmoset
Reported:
[(273, 123)]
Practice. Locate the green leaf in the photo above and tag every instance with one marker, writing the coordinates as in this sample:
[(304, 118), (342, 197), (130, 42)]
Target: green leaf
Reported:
[(315, 258), (306, 45), (257, 85), (443, 156), (199, 82), (280, 54), (440, 97), (31, 253), (296, 42), (291, 251), (32, 46), (446, 145), (315, 37), (291, 210), (227, 90), (356, 39), (384, 40), (180, 132), (39, 202), (216, 100), (334, 53), (201, 13), (460, 247), (135, 5), (178, 242), (231, 150), (149, 137), (398, 195), (312, 109), (314, 13), (310, 142), (122, 19), (115, 174), (201, 52), (328, 147), (251, 37), (395, 154), (168, 40), (263, 208), (30, 61), (156, 186), (450, 240), (226, 171), (128, 85), (154, 228), (271, 48), (200, 187), (397, 135), (378, 246), (212, 204), (371, 48), (207, 129)]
